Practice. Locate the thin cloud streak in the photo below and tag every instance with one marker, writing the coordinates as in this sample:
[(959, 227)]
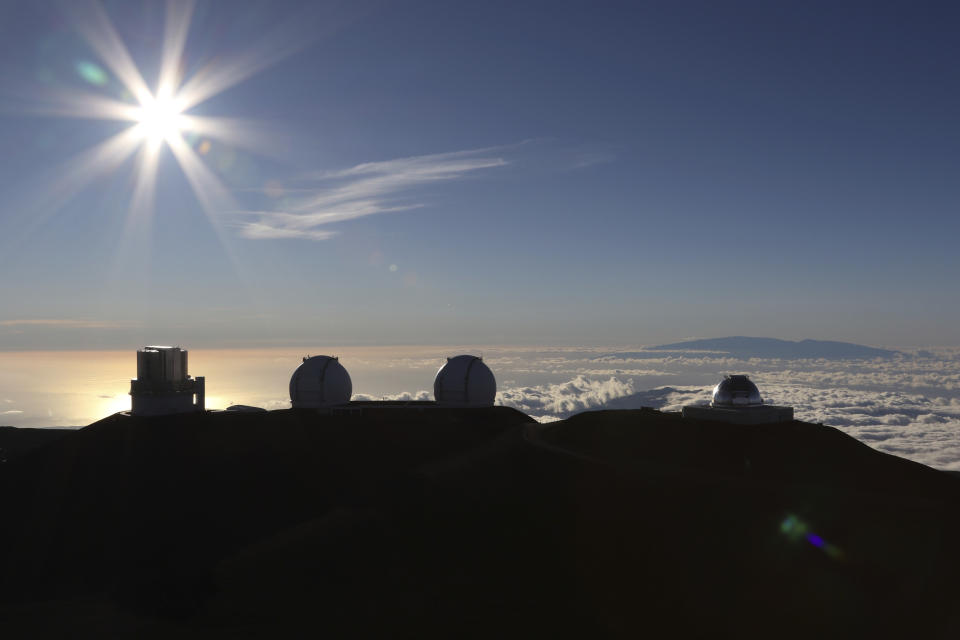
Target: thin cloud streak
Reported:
[(363, 190), (262, 231), (61, 322)]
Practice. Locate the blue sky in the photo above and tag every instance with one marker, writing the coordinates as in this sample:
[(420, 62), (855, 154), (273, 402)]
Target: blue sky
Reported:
[(492, 173)]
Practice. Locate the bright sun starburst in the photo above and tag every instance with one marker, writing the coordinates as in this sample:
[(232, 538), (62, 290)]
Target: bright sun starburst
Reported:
[(158, 119)]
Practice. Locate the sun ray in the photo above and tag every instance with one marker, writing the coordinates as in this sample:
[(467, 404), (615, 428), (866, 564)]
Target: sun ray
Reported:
[(176, 27), (299, 30), (213, 196), (98, 160), (237, 132), (94, 25), (217, 78), (69, 178), (133, 250), (211, 193), (282, 41), (145, 185), (74, 103)]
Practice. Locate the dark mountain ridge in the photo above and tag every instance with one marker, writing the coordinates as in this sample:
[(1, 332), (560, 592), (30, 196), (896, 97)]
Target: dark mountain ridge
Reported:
[(747, 347), (428, 522)]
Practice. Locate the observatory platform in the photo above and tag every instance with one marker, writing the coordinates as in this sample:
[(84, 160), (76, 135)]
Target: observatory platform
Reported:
[(736, 399), (765, 414)]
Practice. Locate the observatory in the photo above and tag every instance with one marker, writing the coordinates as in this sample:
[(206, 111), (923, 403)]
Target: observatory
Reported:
[(162, 385), (737, 399), (320, 381), (736, 391), (465, 381)]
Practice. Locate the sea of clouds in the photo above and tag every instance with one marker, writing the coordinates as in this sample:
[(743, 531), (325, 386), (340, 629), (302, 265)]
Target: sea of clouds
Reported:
[(908, 405)]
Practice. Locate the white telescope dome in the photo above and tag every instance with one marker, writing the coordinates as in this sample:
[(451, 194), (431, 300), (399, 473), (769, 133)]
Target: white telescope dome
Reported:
[(320, 381), (465, 381), (736, 391)]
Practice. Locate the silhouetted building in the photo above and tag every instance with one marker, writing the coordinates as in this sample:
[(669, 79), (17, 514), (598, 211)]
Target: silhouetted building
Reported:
[(320, 381), (465, 381), (737, 399), (162, 385)]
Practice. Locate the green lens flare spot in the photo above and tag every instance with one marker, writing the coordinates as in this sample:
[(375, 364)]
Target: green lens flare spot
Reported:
[(92, 73)]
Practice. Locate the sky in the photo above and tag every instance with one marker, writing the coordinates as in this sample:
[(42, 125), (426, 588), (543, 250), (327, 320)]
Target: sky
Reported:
[(500, 173)]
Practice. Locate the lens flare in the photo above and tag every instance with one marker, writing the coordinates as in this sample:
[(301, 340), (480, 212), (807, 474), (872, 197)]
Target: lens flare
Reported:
[(796, 529), (92, 73)]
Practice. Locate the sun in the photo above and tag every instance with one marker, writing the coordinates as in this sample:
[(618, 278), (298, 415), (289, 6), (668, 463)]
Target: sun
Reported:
[(159, 119)]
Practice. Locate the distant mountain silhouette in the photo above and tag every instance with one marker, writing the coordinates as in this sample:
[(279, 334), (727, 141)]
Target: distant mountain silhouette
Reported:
[(746, 347), (439, 523)]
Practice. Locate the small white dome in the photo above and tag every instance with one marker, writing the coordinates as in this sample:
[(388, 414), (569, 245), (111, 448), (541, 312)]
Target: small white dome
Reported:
[(465, 381), (321, 381)]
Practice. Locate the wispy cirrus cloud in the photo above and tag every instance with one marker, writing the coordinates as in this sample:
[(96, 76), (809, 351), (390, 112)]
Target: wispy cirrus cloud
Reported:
[(363, 190)]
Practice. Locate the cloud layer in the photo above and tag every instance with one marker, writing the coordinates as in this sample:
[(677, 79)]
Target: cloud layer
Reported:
[(907, 406), (567, 398)]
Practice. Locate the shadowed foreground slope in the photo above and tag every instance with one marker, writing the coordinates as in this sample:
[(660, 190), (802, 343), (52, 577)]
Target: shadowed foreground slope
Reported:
[(16, 442), (481, 523)]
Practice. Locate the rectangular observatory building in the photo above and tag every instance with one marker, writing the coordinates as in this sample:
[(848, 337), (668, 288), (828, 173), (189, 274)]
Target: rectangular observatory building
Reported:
[(163, 386)]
